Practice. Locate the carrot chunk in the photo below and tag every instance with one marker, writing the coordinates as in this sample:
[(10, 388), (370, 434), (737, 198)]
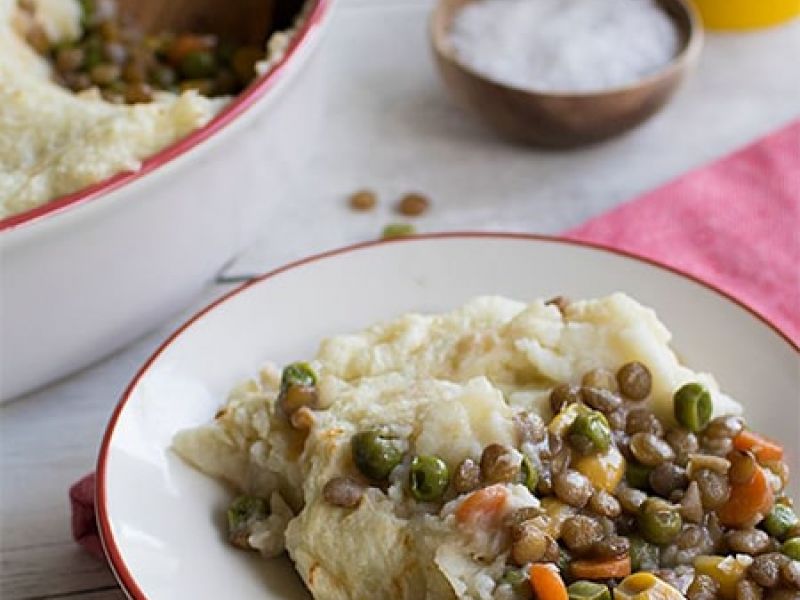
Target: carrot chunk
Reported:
[(747, 501), (483, 507), (765, 449), (546, 582), (602, 569)]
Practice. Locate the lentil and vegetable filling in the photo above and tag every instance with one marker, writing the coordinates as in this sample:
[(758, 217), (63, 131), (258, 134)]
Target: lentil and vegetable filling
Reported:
[(462, 474), (127, 65), (630, 506)]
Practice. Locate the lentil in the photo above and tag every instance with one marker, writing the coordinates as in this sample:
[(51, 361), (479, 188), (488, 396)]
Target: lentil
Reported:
[(634, 380), (499, 464), (747, 541), (717, 446), (650, 450), (727, 426), (684, 443), (610, 546), (413, 204), (600, 379), (743, 467), (714, 488), (580, 533), (531, 427), (617, 418), (631, 499), (572, 487), (529, 544), (363, 200), (604, 504), (666, 478), (765, 570), (600, 399), (642, 420)]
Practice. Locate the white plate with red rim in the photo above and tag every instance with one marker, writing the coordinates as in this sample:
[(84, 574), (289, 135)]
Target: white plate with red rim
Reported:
[(162, 522)]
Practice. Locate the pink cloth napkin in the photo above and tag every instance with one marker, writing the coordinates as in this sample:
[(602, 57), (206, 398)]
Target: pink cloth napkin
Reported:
[(735, 224)]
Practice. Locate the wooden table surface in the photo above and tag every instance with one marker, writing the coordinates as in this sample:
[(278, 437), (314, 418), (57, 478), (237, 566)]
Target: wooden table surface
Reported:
[(387, 124)]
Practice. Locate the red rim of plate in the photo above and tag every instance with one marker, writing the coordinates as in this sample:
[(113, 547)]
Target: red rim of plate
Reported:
[(236, 107), (113, 553)]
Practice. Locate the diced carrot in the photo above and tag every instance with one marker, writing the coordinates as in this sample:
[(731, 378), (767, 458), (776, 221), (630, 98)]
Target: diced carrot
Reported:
[(483, 507), (546, 582), (747, 501), (764, 448), (601, 568)]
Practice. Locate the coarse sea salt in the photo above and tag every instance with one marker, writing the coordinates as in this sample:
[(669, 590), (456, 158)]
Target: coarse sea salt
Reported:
[(564, 45)]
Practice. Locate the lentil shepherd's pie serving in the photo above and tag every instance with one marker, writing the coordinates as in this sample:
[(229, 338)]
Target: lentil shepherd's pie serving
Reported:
[(556, 450)]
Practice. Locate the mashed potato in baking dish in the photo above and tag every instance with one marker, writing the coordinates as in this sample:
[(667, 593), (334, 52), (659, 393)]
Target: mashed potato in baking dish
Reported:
[(491, 452), (53, 141)]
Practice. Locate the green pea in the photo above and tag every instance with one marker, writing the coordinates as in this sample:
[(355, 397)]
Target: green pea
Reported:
[(428, 478), (298, 373), (590, 433), (791, 548), (396, 230), (298, 388), (588, 590), (375, 455), (529, 474), (644, 555), (779, 520), (637, 475), (693, 407), (658, 521), (243, 513), (199, 64)]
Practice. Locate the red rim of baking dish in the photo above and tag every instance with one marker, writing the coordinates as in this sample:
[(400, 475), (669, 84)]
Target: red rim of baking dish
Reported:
[(228, 114), (121, 571)]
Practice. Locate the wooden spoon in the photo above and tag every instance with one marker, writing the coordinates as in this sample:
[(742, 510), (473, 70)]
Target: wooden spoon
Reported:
[(246, 21)]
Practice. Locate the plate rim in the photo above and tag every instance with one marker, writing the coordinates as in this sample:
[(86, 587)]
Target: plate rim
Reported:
[(113, 554)]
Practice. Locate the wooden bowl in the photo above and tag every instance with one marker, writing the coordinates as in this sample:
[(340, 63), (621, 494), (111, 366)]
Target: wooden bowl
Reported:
[(557, 119)]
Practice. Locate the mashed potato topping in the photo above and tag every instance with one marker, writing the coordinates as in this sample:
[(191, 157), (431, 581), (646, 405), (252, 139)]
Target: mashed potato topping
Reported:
[(446, 386)]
